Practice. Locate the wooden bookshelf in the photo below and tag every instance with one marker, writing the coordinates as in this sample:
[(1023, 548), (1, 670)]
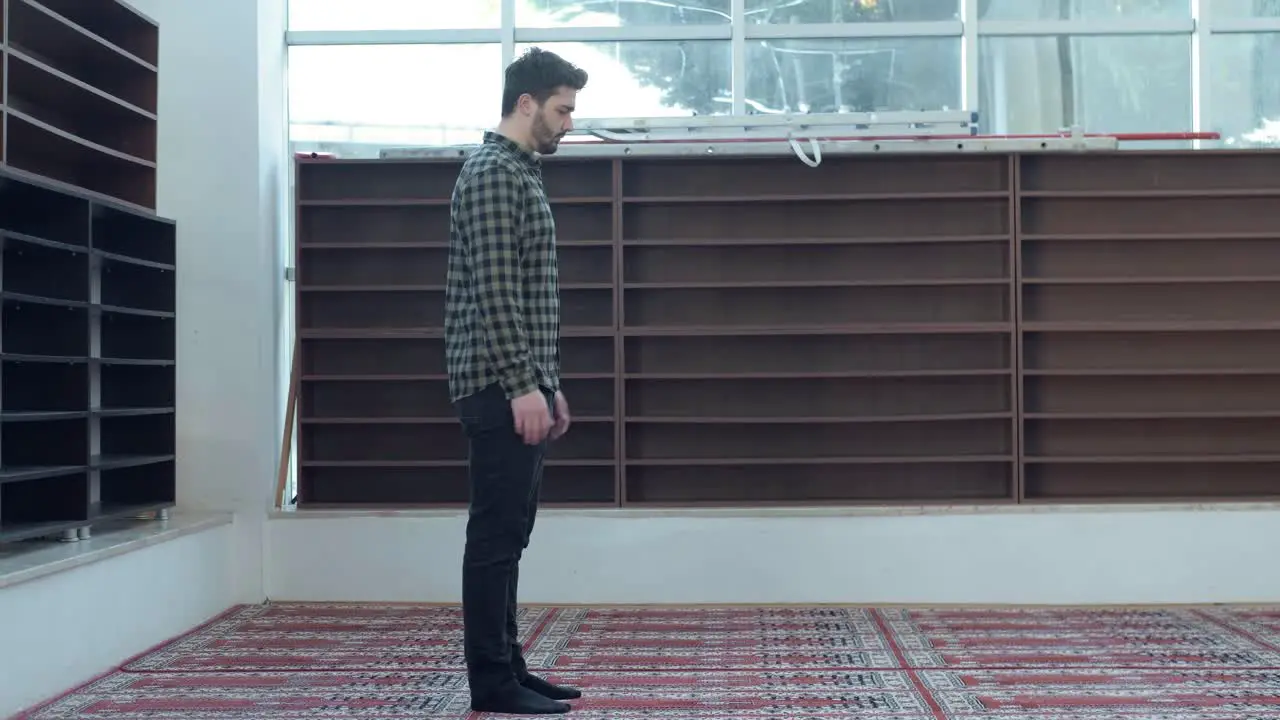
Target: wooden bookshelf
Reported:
[(86, 360), (79, 96), (811, 335), (877, 365), (1150, 288), (940, 328), (375, 422)]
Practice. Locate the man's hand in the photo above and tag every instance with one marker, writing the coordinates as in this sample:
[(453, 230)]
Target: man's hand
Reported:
[(532, 417), (561, 425)]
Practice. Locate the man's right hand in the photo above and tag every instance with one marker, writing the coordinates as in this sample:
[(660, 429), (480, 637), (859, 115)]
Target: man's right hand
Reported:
[(532, 417)]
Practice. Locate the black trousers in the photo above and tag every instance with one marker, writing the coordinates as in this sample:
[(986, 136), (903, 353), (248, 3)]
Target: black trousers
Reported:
[(505, 477)]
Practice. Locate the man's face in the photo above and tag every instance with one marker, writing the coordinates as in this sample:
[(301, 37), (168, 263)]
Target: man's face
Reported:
[(553, 120)]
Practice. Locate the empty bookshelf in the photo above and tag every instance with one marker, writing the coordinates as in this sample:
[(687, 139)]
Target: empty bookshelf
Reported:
[(87, 361)]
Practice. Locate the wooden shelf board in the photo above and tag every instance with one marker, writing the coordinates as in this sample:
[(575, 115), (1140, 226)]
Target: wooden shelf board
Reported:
[(52, 244), (132, 411), (863, 329), (851, 460), (774, 419), (817, 198), (37, 472), (1156, 415), (1169, 459), (56, 359), (785, 284), (116, 462), (727, 241), (1152, 280), (1170, 194), (117, 257), (41, 415), (551, 462), (1152, 372), (819, 374), (394, 420)]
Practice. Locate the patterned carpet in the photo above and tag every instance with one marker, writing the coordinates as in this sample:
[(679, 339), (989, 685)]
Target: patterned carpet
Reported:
[(316, 661)]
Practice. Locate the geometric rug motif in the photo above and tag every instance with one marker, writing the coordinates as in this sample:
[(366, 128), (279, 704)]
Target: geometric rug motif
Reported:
[(301, 696), (316, 661), (695, 639), (326, 636), (1070, 637), (1262, 624), (1105, 693)]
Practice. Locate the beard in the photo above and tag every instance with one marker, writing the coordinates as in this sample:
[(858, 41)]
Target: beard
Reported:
[(546, 141)]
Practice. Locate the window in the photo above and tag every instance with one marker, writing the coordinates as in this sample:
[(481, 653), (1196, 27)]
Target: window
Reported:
[(1082, 9), (361, 98), (853, 75), (1109, 84), (1246, 8), (650, 78), (394, 14), (851, 11), (612, 13), (1243, 88)]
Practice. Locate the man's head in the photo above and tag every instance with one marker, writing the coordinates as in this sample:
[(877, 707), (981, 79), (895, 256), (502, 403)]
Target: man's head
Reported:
[(538, 99)]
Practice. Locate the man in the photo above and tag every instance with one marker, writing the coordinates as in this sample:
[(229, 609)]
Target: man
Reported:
[(502, 341)]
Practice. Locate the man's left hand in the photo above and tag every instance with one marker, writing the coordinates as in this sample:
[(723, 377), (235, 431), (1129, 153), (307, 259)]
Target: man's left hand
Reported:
[(561, 425)]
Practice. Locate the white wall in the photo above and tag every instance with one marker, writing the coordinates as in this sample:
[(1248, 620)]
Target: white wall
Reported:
[(1076, 555), (222, 169), (61, 630)]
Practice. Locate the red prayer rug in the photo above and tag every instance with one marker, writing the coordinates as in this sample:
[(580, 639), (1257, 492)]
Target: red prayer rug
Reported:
[(362, 661)]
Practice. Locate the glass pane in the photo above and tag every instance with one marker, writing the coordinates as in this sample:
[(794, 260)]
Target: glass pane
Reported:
[(1246, 8), (1104, 84), (613, 13), (850, 11), (1242, 89), (1082, 9), (853, 75), (394, 14), (356, 99), (650, 78)]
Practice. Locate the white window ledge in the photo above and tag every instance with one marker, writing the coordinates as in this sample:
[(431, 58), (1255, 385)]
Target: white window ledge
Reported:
[(783, 511), (28, 560)]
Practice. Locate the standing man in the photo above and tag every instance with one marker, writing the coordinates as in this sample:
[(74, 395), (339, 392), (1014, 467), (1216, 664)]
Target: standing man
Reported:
[(502, 341)]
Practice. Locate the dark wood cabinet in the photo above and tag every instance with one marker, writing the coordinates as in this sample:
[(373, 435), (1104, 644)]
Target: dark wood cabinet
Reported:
[(87, 275), (87, 360), (79, 96), (929, 328)]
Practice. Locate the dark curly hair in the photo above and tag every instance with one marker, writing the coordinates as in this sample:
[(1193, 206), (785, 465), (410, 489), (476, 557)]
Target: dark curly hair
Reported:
[(540, 74)]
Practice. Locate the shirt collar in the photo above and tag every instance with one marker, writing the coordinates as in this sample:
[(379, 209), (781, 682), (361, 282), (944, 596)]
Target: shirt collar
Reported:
[(510, 146)]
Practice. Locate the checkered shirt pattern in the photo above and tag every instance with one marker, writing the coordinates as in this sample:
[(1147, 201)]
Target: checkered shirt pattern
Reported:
[(502, 295)]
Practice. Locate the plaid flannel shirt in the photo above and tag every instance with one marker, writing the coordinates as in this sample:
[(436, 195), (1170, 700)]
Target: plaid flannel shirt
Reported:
[(502, 294)]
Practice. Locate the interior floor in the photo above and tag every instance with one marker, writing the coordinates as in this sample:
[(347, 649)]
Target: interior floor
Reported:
[(329, 660)]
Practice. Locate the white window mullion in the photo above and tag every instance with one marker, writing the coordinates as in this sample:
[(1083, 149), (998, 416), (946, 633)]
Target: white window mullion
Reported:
[(622, 33), (969, 64), (392, 37), (1114, 26), (508, 15), (944, 28), (1201, 13), (1218, 25)]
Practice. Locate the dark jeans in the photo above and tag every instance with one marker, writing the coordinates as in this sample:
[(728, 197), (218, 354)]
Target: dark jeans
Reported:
[(505, 476)]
